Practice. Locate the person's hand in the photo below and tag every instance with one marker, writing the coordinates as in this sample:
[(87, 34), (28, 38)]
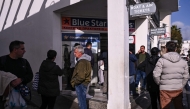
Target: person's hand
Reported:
[(16, 82), (139, 51)]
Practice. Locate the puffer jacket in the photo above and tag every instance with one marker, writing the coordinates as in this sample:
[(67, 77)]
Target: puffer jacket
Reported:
[(48, 78), (171, 72), (82, 72)]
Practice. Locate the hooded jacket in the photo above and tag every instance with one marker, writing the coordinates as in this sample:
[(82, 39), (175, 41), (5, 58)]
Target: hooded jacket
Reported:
[(89, 52), (82, 72), (48, 78), (171, 72), (149, 65)]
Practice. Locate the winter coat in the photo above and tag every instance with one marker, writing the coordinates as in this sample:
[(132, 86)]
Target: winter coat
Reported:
[(171, 72), (48, 78), (82, 72), (89, 52), (132, 60), (142, 68), (149, 65)]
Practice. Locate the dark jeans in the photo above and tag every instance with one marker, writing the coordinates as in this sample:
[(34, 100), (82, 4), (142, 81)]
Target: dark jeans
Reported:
[(48, 102), (69, 86), (154, 96), (141, 74), (81, 95), (132, 88)]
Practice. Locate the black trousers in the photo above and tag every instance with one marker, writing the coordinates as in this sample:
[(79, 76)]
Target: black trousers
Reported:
[(155, 97), (69, 86), (1, 102), (48, 102)]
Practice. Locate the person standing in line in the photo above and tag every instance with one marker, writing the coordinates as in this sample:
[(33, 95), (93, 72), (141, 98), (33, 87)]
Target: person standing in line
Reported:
[(73, 61), (152, 87), (15, 64), (48, 85), (171, 74), (132, 71), (82, 75), (104, 56), (88, 51), (141, 56)]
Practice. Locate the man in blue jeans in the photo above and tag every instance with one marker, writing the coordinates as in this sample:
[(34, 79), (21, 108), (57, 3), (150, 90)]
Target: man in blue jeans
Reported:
[(141, 56), (81, 75)]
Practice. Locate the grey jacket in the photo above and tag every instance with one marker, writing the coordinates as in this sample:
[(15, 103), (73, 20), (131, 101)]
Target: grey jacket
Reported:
[(171, 72)]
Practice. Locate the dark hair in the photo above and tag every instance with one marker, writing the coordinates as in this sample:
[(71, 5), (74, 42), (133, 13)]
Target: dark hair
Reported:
[(142, 46), (76, 44), (88, 43), (154, 51), (15, 45), (51, 54), (171, 46)]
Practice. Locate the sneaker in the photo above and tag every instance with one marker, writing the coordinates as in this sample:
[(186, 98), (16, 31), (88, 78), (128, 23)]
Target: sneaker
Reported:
[(88, 96)]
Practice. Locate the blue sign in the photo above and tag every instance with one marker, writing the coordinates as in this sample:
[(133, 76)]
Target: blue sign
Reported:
[(80, 37)]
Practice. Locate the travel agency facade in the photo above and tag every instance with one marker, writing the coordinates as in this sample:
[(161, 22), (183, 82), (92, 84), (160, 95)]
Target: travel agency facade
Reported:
[(54, 24)]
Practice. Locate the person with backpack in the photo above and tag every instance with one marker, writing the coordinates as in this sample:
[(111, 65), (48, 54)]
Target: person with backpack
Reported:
[(15, 64), (48, 85), (149, 65), (141, 56)]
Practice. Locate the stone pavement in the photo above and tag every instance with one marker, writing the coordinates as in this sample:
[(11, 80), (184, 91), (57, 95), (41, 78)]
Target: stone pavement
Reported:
[(68, 101)]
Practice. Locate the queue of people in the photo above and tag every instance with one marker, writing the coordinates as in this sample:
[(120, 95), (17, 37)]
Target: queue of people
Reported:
[(163, 77)]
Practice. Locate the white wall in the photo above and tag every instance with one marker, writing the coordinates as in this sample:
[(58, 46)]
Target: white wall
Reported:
[(141, 33), (165, 17), (37, 25)]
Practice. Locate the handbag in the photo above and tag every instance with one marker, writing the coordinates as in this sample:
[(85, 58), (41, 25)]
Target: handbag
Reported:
[(35, 81), (15, 100)]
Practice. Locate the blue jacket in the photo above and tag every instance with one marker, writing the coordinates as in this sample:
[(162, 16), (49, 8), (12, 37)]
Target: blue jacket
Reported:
[(132, 60)]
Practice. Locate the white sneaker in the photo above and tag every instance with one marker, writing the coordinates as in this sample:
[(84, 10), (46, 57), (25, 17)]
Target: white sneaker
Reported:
[(88, 96), (73, 93)]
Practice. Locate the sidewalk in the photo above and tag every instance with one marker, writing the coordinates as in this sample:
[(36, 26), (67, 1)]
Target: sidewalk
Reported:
[(99, 101)]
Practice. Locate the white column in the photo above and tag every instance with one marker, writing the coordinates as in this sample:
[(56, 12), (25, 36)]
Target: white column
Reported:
[(118, 55)]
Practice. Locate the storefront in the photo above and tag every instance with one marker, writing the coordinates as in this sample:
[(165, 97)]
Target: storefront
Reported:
[(94, 30)]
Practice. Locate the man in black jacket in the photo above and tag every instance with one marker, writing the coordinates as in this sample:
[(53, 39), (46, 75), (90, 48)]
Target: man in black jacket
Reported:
[(15, 64), (141, 56), (88, 51), (149, 65)]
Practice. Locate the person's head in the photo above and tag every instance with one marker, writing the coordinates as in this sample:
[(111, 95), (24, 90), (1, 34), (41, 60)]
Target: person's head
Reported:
[(171, 46), (17, 49), (78, 51), (89, 45), (76, 44), (154, 51), (142, 48), (51, 55)]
